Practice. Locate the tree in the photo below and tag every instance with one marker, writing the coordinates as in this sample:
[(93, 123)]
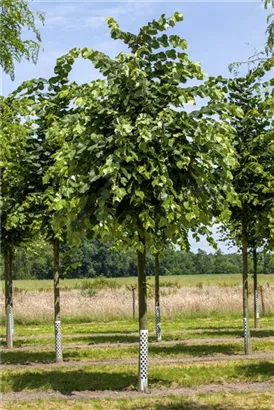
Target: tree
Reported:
[(203, 263), (133, 159), (43, 104), (252, 220), (14, 220), (16, 16), (269, 47), (263, 55)]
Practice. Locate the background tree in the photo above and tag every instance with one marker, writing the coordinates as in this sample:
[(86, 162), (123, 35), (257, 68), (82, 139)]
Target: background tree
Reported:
[(44, 104), (253, 178), (94, 258), (15, 17), (15, 221)]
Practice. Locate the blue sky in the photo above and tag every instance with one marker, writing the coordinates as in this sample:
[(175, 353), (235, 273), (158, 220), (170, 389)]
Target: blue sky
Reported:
[(217, 34)]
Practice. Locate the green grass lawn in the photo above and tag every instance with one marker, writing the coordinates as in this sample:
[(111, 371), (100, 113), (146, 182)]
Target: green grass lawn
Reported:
[(121, 377), (182, 280), (117, 376), (179, 350), (218, 325), (223, 401)]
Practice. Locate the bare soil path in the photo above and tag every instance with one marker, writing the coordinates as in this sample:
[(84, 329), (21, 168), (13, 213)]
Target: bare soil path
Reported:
[(128, 394)]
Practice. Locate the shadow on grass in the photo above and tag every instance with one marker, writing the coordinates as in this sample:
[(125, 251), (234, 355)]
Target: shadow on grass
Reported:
[(90, 379), (238, 333), (25, 357), (16, 343), (106, 332), (191, 405), (48, 356), (94, 339), (72, 380), (89, 340), (195, 350), (263, 368)]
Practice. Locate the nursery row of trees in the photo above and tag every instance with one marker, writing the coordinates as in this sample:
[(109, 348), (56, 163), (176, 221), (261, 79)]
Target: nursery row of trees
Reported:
[(121, 159), (94, 258)]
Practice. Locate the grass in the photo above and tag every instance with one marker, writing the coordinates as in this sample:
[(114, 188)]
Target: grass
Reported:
[(224, 401), (180, 324), (178, 350), (83, 305), (183, 280), (217, 323), (117, 377)]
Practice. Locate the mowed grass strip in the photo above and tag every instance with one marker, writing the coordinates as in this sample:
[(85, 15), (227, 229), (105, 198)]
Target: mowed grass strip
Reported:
[(224, 401), (117, 377), (48, 340), (177, 350), (213, 323)]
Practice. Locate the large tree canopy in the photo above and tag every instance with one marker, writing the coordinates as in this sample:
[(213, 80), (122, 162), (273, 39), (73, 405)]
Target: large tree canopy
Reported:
[(15, 17), (132, 159)]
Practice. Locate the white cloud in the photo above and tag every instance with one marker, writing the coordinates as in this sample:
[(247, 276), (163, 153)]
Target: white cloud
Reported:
[(95, 22), (66, 16)]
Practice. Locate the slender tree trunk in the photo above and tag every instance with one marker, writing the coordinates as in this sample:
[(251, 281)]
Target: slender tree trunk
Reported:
[(8, 259), (133, 302), (256, 295), (262, 300), (143, 341), (247, 344), (57, 316), (157, 300)]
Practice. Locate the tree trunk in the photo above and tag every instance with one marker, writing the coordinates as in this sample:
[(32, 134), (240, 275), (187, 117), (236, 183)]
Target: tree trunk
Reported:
[(157, 300), (262, 300), (57, 317), (143, 341), (256, 299), (133, 302), (247, 345), (8, 259)]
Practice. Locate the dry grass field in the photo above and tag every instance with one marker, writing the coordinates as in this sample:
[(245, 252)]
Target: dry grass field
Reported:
[(199, 365), (91, 304)]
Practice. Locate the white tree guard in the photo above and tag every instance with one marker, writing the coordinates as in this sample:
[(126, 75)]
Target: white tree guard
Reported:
[(58, 341), (12, 320), (9, 324), (143, 361), (158, 323), (257, 304), (246, 334)]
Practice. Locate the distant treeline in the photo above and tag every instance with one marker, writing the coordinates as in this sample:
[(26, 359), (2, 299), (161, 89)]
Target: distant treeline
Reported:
[(93, 259)]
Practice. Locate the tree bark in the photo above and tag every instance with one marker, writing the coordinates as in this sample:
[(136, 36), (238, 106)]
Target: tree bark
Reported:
[(262, 300), (143, 341), (133, 302), (56, 285), (8, 260), (157, 300), (256, 299), (247, 344)]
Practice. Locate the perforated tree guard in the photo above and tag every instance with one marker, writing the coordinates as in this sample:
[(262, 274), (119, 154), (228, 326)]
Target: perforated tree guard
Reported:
[(58, 341), (12, 320), (257, 304), (158, 323), (9, 321), (143, 361), (246, 336)]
